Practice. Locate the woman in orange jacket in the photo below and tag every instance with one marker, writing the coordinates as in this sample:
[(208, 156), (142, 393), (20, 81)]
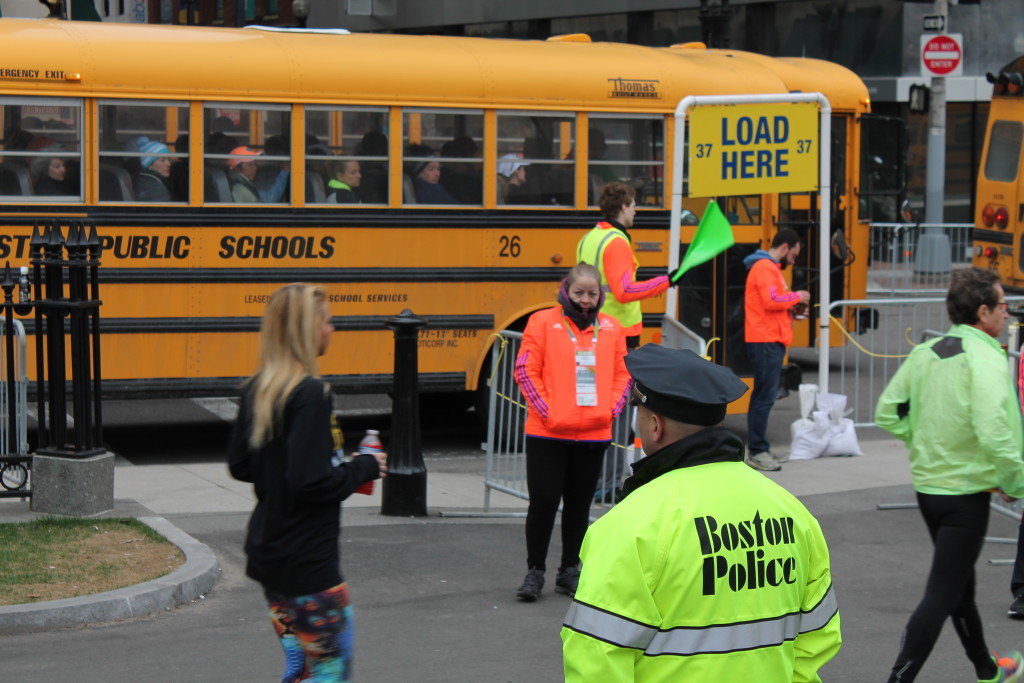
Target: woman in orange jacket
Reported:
[(572, 372)]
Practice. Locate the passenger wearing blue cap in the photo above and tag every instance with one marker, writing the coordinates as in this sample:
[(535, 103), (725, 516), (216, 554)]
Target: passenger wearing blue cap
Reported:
[(707, 570), (151, 183)]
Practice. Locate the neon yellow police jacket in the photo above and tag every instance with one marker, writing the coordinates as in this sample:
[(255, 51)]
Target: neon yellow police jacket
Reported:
[(706, 572)]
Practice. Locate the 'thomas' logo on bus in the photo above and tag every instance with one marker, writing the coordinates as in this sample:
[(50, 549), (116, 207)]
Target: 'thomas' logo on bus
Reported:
[(634, 88), (753, 569)]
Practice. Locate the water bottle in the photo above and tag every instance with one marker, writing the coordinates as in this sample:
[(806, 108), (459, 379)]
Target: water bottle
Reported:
[(370, 444), (24, 288)]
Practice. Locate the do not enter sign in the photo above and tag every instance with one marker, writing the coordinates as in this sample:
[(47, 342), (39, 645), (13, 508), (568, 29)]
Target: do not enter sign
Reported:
[(942, 55)]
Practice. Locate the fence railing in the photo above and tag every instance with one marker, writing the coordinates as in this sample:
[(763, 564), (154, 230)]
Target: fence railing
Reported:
[(505, 468), (893, 256), (15, 464), (863, 366)]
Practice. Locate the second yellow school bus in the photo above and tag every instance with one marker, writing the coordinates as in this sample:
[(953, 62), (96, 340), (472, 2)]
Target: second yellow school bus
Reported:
[(999, 223), (153, 132)]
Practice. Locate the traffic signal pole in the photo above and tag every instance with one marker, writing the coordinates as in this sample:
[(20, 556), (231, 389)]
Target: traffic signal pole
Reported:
[(934, 252)]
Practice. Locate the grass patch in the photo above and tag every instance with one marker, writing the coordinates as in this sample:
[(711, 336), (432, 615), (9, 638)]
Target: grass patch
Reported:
[(64, 557)]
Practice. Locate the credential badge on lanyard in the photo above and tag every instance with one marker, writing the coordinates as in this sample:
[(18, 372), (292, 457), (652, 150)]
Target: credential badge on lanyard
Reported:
[(586, 369)]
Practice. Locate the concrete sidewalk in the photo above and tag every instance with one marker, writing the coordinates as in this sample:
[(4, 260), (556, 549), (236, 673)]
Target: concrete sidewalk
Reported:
[(455, 483), (434, 596)]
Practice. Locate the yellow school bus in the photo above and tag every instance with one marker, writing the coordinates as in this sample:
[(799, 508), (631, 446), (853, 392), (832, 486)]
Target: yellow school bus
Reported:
[(152, 132), (999, 223)]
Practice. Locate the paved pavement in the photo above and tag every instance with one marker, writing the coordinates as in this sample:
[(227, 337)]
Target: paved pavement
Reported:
[(434, 596)]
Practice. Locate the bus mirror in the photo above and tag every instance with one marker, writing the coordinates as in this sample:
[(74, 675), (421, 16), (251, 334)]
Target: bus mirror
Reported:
[(687, 217), (840, 249), (1014, 82)]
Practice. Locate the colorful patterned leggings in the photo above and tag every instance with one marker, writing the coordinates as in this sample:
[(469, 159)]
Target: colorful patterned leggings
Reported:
[(316, 634)]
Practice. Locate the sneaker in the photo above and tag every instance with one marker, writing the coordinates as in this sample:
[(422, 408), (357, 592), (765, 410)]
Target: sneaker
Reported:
[(532, 585), (779, 458), (762, 461), (568, 580), (1016, 610), (1011, 668)]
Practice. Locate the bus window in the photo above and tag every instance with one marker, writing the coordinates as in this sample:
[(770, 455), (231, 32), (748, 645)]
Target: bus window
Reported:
[(443, 160), (743, 210), (348, 150), (1004, 151), (630, 150), (42, 149), (247, 156), (546, 142), (143, 151)]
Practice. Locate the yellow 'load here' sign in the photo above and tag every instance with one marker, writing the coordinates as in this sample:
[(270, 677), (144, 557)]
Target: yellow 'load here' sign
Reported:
[(753, 149)]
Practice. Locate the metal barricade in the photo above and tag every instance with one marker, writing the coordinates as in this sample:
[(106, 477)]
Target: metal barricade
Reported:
[(675, 335), (863, 366), (893, 253), (15, 464), (505, 468)]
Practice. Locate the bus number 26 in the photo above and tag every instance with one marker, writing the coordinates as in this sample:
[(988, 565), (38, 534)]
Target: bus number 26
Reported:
[(510, 246)]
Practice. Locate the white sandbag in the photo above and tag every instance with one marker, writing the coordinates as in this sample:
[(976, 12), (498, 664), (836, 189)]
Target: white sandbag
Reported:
[(810, 437), (842, 440), (808, 392), (833, 405)]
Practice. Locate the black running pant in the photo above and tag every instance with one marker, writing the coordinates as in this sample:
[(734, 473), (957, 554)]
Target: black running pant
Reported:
[(957, 526), (559, 470)]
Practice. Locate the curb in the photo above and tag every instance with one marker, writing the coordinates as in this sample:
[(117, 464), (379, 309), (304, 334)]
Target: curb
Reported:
[(186, 583)]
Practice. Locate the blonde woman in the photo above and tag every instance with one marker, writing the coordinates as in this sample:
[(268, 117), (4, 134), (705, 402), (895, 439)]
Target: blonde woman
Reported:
[(282, 443)]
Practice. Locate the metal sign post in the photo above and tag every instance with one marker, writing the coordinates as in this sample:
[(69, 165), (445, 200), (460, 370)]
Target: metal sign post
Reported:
[(824, 187)]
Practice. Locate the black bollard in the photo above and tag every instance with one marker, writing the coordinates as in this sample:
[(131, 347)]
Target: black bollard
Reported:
[(404, 490)]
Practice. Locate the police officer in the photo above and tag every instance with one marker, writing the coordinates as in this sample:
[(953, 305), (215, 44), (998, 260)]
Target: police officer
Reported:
[(707, 570)]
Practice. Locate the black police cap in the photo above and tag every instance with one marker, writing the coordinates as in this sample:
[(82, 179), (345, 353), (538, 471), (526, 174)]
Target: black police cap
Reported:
[(681, 385)]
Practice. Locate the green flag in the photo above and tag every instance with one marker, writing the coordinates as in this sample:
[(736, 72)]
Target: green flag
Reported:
[(714, 235)]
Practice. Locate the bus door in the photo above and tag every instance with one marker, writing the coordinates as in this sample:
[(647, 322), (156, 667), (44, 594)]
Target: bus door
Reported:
[(711, 294)]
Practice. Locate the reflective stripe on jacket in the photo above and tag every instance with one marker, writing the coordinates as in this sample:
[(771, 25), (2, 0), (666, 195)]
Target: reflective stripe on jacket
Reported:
[(954, 403), (707, 573), (546, 373)]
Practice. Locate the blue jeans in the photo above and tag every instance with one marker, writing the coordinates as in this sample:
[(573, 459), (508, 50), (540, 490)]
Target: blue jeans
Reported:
[(766, 358)]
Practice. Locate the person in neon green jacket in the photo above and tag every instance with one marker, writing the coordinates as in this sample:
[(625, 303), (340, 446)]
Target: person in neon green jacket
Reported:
[(706, 571), (953, 403)]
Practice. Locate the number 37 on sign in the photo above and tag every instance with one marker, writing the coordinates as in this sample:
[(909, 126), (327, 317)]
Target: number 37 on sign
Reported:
[(753, 149)]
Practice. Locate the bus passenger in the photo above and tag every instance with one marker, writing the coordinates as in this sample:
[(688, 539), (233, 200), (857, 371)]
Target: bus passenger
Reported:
[(151, 183), (571, 370), (426, 177), (347, 178), (51, 175), (597, 147), (463, 179), (282, 443), (374, 185), (241, 174), (511, 173), (179, 170), (272, 180)]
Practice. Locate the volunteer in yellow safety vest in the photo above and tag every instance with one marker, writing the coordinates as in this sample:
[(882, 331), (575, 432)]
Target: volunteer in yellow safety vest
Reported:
[(707, 571), (608, 246)]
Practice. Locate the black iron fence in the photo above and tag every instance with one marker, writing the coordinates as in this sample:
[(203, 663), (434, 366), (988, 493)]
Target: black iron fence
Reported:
[(60, 291)]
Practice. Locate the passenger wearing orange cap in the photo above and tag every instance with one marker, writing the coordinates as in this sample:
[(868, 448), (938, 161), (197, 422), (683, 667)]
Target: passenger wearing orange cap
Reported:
[(241, 173)]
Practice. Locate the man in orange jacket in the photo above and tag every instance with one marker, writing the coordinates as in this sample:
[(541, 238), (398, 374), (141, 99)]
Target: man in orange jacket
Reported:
[(768, 330)]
